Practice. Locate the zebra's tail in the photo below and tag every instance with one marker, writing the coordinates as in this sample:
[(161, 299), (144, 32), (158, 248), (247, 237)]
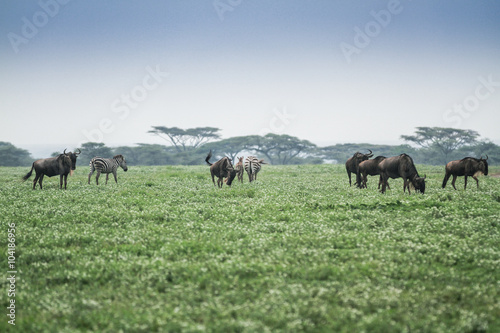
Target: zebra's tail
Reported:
[(28, 175)]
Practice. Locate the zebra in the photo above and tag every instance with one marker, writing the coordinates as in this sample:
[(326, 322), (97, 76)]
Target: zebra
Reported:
[(252, 167), (107, 166)]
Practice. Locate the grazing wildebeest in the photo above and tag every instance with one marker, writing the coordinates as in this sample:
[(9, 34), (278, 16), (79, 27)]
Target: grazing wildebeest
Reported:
[(401, 166), (252, 167), (239, 169), (53, 166), (220, 169), (107, 166), (370, 167), (468, 166), (352, 166)]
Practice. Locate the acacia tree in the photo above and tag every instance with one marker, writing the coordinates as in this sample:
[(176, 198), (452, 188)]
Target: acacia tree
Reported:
[(230, 147), (186, 139), (441, 139), (91, 150), (279, 149)]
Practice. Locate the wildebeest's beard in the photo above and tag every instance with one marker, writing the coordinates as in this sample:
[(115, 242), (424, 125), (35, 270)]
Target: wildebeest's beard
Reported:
[(485, 168), (419, 184), (232, 174)]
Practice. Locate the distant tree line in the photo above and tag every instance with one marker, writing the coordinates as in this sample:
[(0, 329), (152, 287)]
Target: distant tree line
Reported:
[(430, 145)]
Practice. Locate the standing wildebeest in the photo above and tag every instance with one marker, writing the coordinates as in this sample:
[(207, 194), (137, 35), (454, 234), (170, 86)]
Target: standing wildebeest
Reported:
[(370, 167), (61, 165), (239, 169), (468, 166), (222, 168), (107, 166), (401, 166), (252, 167), (352, 165)]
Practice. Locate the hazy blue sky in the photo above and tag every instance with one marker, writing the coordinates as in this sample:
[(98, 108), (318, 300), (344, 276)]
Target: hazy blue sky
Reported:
[(327, 71)]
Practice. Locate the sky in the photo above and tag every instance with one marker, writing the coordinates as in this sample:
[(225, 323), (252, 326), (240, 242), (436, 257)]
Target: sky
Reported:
[(326, 71)]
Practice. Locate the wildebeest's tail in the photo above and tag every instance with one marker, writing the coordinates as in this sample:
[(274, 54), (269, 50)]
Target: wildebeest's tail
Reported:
[(208, 157), (28, 175)]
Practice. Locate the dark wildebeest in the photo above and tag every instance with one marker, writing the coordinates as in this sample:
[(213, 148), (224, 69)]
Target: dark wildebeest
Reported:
[(370, 167), (61, 165), (401, 166), (468, 166), (239, 169), (352, 165), (220, 169)]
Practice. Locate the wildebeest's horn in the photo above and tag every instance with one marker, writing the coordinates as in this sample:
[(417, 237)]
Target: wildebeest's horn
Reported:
[(486, 158), (64, 152), (79, 151), (371, 153), (425, 176)]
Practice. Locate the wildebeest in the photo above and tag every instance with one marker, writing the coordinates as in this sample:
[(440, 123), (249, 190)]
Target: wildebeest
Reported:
[(220, 169), (401, 166), (107, 166), (239, 169), (370, 167), (468, 166), (252, 167), (60, 165), (352, 165)]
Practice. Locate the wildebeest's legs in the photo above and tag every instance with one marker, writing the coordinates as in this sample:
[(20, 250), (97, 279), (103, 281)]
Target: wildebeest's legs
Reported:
[(477, 181), (36, 179), (445, 180), (349, 174), (465, 186), (60, 181), (384, 182), (40, 180), (453, 181), (65, 181), (213, 179)]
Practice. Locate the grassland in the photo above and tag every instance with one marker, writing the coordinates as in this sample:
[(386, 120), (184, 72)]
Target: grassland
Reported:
[(299, 250)]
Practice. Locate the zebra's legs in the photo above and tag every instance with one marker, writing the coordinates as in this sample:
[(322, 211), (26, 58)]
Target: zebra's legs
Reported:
[(114, 174), (107, 176), (97, 177)]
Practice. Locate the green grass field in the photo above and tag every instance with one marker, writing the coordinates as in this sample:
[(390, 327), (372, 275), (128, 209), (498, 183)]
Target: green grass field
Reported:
[(299, 250)]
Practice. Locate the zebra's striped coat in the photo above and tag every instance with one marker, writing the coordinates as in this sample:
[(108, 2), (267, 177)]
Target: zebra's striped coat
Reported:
[(252, 167), (107, 166)]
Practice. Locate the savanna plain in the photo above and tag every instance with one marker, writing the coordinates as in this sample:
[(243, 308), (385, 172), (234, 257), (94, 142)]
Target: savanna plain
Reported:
[(297, 250)]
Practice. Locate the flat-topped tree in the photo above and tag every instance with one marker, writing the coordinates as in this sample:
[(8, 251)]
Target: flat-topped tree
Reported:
[(186, 139), (444, 140)]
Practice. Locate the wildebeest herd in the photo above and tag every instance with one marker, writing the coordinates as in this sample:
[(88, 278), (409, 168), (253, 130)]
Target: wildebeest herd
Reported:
[(402, 166), (360, 164)]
